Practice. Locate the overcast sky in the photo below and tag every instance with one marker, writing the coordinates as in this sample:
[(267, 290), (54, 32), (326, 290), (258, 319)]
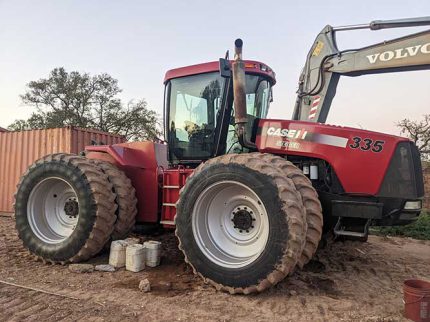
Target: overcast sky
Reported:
[(138, 41)]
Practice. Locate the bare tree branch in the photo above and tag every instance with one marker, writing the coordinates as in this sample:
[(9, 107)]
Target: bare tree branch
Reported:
[(419, 133)]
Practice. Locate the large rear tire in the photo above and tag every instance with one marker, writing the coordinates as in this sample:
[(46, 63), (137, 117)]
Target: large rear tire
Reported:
[(314, 215), (240, 223), (64, 209), (125, 199)]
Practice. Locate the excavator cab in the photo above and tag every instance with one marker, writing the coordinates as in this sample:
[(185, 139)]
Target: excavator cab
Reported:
[(199, 109)]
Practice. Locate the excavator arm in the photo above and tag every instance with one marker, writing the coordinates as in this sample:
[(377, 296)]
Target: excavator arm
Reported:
[(325, 63)]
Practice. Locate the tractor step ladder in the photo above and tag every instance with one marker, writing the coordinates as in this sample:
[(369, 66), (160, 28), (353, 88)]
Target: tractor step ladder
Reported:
[(168, 204), (167, 222), (173, 181), (342, 230)]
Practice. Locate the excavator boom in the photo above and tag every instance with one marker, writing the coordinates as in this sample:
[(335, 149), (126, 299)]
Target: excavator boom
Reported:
[(326, 63)]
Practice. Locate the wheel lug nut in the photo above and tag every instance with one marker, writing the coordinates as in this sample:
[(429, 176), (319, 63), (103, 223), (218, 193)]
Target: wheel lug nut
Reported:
[(245, 208), (252, 226), (241, 231), (247, 231)]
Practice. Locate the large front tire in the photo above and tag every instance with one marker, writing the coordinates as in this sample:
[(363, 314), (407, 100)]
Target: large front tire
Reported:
[(64, 209), (240, 223)]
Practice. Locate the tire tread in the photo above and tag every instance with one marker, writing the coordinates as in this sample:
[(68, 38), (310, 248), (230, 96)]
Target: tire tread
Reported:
[(314, 215)]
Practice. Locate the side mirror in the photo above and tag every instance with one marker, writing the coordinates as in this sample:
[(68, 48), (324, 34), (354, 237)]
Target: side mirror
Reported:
[(224, 68)]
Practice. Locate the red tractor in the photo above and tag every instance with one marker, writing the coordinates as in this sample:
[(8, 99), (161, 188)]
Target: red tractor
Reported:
[(249, 197)]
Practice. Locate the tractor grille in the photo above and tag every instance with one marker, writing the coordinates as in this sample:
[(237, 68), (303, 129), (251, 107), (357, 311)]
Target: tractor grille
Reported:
[(404, 178)]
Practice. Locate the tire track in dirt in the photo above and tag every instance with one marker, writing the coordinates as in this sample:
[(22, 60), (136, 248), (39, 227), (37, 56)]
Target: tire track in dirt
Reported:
[(21, 304)]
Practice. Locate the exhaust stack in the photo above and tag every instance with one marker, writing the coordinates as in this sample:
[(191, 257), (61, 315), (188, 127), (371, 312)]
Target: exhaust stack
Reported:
[(238, 69), (239, 94)]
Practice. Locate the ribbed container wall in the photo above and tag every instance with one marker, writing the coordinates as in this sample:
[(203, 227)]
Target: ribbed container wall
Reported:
[(18, 150)]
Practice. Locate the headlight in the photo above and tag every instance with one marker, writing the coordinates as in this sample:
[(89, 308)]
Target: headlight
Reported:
[(413, 205)]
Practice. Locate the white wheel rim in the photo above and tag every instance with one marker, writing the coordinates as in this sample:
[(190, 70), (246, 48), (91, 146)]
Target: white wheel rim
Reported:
[(53, 210), (219, 218)]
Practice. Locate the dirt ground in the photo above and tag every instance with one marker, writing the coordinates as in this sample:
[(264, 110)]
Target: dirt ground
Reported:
[(348, 281)]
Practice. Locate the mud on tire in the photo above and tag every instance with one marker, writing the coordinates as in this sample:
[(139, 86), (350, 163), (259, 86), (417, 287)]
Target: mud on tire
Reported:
[(39, 211), (314, 216), (283, 208)]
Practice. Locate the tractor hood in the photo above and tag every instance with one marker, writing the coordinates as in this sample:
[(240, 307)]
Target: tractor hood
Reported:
[(360, 158)]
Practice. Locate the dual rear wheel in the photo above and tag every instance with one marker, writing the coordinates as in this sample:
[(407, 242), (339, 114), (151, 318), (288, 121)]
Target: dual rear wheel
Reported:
[(68, 207)]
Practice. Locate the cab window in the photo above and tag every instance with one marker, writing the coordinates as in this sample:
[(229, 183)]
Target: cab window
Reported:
[(258, 97), (194, 104)]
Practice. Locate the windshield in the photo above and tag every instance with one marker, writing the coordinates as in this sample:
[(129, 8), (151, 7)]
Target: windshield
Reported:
[(193, 111)]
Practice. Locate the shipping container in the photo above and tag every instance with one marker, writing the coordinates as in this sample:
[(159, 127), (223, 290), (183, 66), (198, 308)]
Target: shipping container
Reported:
[(20, 149)]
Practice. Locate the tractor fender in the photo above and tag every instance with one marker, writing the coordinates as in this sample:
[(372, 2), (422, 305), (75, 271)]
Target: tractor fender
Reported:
[(143, 163)]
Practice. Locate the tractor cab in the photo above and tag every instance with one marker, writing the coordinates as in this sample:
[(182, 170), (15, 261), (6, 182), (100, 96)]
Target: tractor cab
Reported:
[(199, 109)]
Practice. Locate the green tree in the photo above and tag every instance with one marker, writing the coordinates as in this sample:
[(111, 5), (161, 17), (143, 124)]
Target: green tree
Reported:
[(81, 100), (419, 133)]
